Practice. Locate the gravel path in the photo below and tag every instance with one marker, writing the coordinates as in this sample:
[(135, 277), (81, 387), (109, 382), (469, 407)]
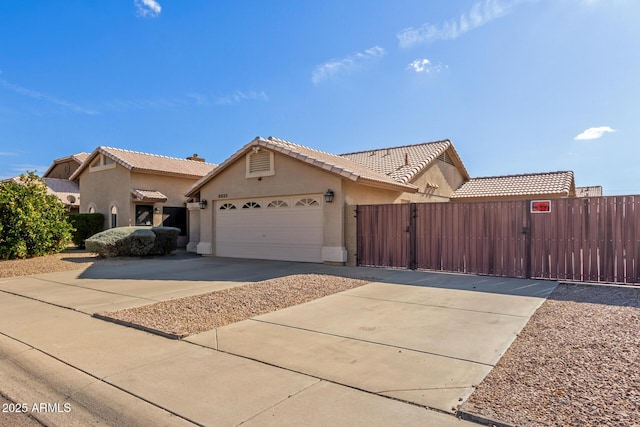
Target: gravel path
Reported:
[(199, 313), (576, 363)]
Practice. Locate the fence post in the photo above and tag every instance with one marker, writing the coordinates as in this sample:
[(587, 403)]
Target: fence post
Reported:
[(358, 237), (412, 236), (527, 240)]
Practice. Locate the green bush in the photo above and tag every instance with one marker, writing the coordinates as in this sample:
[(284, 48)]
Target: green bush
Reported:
[(166, 240), (134, 241), (86, 225), (122, 241), (31, 221)]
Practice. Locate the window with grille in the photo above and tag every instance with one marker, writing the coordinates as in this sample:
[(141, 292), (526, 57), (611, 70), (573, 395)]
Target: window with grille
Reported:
[(277, 204), (251, 205), (307, 202)]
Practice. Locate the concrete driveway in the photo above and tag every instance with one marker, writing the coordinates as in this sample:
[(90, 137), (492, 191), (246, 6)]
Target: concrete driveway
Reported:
[(418, 337)]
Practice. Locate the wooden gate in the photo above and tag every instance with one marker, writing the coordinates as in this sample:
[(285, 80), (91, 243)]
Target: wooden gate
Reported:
[(591, 240)]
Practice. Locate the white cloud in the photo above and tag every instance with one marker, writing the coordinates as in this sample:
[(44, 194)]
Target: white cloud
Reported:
[(147, 8), (425, 66), (481, 13), (41, 96), (594, 133), (239, 96), (344, 65), (6, 153)]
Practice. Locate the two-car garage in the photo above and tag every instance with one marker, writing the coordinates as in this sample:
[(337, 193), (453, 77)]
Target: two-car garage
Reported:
[(279, 228)]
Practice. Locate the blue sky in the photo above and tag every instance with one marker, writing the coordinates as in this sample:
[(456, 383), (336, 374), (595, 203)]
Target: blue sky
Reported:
[(518, 86)]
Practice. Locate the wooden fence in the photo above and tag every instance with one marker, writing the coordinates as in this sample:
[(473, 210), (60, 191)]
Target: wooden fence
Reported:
[(580, 239)]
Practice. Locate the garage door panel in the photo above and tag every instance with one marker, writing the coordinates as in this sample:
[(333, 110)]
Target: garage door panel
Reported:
[(289, 232)]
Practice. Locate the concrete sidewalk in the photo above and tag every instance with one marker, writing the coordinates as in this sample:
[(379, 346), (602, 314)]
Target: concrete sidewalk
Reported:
[(419, 337)]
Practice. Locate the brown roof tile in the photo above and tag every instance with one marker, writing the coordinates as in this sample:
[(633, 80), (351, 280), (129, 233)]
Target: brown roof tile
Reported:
[(405, 162), (150, 163), (546, 183), (67, 191)]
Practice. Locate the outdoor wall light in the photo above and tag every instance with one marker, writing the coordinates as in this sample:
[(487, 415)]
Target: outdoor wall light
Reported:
[(203, 204), (156, 210), (328, 196)]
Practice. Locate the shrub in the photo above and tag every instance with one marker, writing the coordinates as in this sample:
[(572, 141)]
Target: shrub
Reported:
[(166, 240), (134, 241), (86, 225), (122, 241), (31, 221)]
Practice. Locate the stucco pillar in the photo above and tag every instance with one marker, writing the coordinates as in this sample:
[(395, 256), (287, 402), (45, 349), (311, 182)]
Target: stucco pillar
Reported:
[(194, 226), (205, 245)]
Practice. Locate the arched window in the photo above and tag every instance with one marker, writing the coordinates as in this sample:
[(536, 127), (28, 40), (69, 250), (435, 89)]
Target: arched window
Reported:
[(307, 202), (92, 209), (251, 205), (114, 216), (278, 204), (227, 206)]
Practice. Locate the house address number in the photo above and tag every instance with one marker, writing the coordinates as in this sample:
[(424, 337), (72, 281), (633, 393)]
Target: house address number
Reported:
[(223, 196)]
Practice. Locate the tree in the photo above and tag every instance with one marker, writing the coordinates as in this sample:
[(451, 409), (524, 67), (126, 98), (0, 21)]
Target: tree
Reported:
[(31, 221)]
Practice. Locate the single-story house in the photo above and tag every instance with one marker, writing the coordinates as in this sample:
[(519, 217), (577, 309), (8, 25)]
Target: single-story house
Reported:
[(546, 185), (274, 199), (133, 188)]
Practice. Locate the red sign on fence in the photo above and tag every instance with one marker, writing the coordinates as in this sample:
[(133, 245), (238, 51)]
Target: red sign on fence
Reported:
[(540, 206)]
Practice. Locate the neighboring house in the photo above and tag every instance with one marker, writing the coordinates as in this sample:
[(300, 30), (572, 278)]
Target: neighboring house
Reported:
[(67, 191), (274, 199), (594, 191), (546, 185), (133, 188), (64, 167), (57, 180)]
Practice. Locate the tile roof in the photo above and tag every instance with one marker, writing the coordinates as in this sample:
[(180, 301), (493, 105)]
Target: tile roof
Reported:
[(149, 195), (387, 167), (67, 191), (546, 183), (339, 165), (405, 162), (150, 163)]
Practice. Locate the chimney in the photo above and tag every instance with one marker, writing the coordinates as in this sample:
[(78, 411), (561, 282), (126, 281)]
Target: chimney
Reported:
[(195, 158)]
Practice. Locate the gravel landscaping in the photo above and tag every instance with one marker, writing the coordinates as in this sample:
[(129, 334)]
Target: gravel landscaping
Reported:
[(191, 315), (72, 259), (575, 363)]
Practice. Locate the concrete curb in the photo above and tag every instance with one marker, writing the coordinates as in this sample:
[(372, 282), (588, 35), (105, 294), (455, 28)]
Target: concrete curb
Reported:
[(481, 419), (139, 327)]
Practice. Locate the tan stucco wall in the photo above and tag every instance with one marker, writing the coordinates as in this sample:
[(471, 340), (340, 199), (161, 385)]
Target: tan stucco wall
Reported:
[(106, 187), (291, 177)]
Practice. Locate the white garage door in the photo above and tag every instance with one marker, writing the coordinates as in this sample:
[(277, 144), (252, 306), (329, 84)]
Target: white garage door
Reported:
[(278, 228)]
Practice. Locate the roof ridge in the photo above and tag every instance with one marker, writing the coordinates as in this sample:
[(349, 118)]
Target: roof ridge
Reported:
[(522, 174), (395, 147), (154, 155), (276, 139)]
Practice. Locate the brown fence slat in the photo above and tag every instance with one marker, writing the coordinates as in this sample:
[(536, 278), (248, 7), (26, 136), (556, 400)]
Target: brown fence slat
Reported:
[(595, 239)]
